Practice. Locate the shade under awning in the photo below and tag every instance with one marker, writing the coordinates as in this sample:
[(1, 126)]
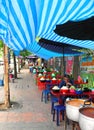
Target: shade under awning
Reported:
[(42, 52), (61, 48), (82, 30)]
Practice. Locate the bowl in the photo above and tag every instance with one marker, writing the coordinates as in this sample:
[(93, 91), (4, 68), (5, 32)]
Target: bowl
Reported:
[(42, 80), (79, 91), (56, 89), (72, 91), (64, 89), (48, 80), (53, 78)]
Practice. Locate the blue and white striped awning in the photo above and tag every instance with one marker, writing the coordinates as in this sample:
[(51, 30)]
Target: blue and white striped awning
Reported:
[(21, 21)]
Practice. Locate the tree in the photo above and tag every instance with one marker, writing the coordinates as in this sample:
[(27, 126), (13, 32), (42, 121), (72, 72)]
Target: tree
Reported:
[(76, 67), (6, 78), (4, 53), (15, 66), (25, 53), (1, 48)]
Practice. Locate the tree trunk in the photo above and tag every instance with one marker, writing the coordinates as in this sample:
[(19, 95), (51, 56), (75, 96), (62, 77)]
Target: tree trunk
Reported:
[(76, 67), (18, 65), (6, 78), (62, 66), (15, 67), (48, 63), (54, 60)]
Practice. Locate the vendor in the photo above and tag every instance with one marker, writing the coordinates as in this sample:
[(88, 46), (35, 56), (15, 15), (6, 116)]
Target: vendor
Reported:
[(66, 82)]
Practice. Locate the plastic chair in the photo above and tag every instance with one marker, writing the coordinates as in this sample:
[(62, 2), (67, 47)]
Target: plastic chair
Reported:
[(53, 101), (46, 92), (31, 69), (57, 110), (49, 86), (45, 95)]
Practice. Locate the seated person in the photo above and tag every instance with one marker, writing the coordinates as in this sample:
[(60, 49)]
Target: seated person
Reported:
[(66, 81)]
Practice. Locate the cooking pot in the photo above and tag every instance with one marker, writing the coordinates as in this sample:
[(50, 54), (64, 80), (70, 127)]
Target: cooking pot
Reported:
[(72, 108), (86, 118)]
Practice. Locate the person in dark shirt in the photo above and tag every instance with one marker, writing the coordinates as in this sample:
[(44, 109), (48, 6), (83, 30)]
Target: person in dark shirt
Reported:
[(66, 82)]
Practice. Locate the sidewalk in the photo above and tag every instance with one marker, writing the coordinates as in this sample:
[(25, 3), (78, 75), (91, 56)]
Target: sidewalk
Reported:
[(28, 112)]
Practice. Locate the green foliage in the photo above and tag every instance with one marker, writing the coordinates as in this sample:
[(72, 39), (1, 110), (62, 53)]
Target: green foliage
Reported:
[(1, 44), (25, 53), (87, 52), (1, 48), (90, 79), (48, 70)]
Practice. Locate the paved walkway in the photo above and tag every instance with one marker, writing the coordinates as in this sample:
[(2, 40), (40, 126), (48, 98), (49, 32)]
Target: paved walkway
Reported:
[(28, 112)]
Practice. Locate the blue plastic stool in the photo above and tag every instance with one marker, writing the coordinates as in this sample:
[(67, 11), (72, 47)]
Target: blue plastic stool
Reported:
[(45, 94), (48, 86), (57, 110), (53, 101), (31, 69)]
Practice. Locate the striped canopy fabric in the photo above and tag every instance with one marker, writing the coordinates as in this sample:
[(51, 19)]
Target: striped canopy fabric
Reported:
[(24, 22)]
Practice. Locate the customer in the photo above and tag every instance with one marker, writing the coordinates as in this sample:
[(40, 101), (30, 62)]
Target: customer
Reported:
[(66, 81)]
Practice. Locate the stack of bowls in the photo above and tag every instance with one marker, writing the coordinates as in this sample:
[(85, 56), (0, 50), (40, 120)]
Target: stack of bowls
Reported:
[(56, 89), (64, 89)]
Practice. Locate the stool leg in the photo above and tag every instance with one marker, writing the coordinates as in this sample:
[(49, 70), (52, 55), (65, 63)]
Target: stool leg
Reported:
[(42, 97), (57, 118), (52, 107), (45, 97), (67, 121), (63, 115), (53, 114), (73, 125)]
